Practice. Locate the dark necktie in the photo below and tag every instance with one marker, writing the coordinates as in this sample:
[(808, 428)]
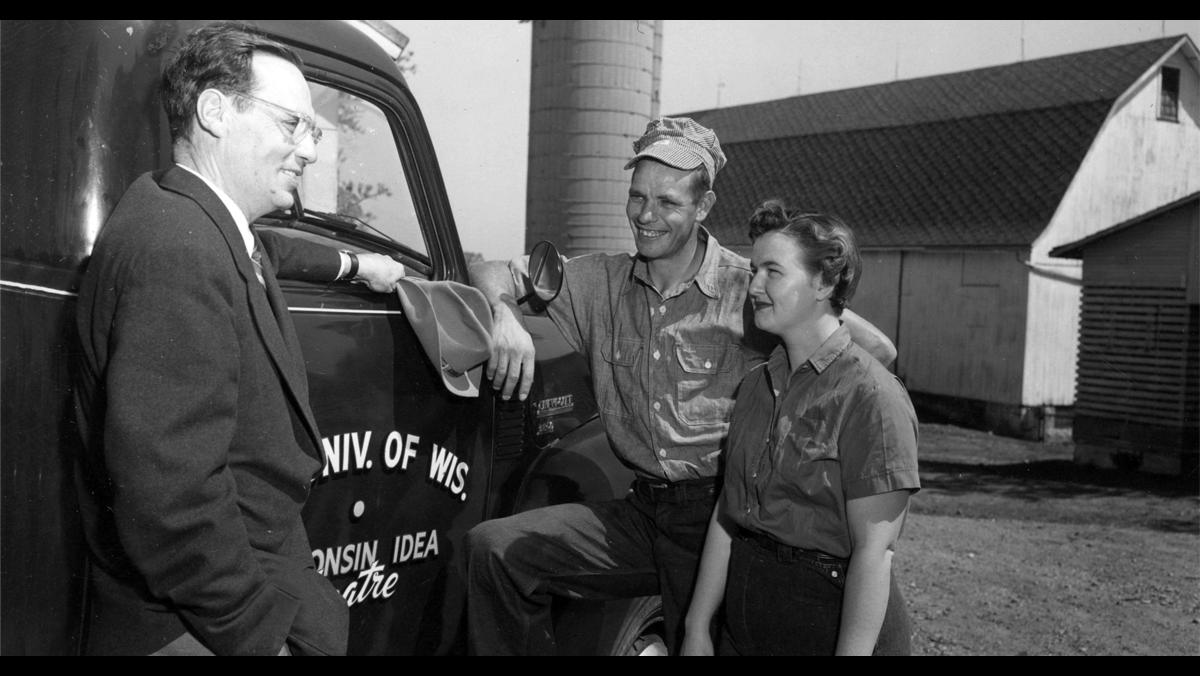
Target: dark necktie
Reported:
[(256, 258), (274, 297)]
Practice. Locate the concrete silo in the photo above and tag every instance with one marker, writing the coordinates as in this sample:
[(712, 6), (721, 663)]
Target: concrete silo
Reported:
[(593, 87)]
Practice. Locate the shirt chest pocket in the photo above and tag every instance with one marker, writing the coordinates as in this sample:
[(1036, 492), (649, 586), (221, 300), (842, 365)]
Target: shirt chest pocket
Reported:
[(619, 386), (705, 382), (808, 439)]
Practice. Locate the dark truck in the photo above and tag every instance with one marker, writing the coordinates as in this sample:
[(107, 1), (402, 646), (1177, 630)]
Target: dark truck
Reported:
[(409, 468)]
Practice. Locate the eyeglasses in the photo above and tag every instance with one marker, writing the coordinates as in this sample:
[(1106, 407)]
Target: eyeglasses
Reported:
[(297, 125)]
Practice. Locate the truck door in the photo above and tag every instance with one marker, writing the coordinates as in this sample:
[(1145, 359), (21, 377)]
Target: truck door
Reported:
[(406, 461)]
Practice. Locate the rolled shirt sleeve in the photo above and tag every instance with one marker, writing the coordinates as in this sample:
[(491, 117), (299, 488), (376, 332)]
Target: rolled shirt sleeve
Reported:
[(879, 442)]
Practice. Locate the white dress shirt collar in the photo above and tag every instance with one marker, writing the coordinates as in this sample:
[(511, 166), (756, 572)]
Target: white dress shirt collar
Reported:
[(234, 210)]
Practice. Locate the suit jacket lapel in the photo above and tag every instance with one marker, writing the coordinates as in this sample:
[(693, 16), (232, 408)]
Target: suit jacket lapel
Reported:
[(267, 305)]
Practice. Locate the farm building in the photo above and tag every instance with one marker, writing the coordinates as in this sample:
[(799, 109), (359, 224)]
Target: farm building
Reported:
[(958, 187), (1136, 398)]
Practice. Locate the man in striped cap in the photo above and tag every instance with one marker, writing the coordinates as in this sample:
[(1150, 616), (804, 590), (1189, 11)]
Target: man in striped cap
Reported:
[(668, 339)]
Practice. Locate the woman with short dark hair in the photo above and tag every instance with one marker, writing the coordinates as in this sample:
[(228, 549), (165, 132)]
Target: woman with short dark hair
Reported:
[(821, 462)]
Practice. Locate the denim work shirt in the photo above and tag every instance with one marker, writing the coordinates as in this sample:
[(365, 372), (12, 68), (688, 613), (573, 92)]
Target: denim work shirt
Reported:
[(664, 364), (801, 444)]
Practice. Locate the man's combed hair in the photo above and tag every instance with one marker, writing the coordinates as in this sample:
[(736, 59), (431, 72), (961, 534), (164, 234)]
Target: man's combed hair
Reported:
[(701, 182), (827, 245), (218, 56)]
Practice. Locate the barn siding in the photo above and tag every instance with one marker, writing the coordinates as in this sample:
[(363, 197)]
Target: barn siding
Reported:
[(1136, 403), (1139, 367), (962, 324), (1157, 253), (878, 295), (1051, 345), (1133, 353), (1137, 328)]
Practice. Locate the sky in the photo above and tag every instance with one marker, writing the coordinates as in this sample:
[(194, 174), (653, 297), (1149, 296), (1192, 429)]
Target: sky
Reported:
[(472, 82)]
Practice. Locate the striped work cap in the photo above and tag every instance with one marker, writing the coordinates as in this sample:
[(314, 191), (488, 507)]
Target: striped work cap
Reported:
[(680, 142)]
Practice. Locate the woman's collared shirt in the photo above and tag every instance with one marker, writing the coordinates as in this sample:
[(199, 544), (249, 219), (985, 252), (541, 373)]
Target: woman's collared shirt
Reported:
[(802, 443)]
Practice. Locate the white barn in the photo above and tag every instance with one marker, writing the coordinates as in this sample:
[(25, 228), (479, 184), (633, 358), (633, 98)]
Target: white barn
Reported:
[(958, 186)]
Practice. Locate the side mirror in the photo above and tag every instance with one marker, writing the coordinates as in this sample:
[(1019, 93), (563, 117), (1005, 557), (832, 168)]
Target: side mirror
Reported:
[(545, 274)]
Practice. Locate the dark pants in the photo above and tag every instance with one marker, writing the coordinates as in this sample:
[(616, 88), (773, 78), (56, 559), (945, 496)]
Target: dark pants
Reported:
[(649, 543), (781, 600)]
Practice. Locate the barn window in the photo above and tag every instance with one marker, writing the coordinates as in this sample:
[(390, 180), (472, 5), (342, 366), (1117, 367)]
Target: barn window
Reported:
[(1168, 108)]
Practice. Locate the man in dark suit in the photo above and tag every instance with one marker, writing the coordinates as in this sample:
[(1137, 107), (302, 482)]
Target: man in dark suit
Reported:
[(192, 394)]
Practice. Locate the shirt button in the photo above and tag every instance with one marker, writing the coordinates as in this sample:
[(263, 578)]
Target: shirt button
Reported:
[(656, 354), (657, 406), (833, 573), (662, 309), (618, 354), (708, 364), (662, 452)]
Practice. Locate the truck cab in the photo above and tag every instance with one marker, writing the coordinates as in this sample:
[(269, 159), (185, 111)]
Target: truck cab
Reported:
[(409, 465)]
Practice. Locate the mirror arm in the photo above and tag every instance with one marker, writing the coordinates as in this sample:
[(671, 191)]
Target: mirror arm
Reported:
[(533, 274), (540, 257)]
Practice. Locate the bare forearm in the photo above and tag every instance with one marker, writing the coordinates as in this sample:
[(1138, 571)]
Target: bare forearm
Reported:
[(865, 601), (511, 365), (495, 280), (875, 522), (710, 588)]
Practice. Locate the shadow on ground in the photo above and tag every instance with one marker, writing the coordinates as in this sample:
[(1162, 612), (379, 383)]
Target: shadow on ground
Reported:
[(1060, 491)]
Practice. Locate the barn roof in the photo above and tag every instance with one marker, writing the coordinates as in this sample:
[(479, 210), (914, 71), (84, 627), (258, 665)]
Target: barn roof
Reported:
[(974, 158), (1075, 249)]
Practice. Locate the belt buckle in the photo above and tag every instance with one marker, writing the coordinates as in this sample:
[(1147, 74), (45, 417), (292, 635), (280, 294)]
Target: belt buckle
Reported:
[(652, 488), (657, 487)]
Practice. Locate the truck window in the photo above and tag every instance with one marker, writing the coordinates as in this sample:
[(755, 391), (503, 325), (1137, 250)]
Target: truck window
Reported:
[(358, 172)]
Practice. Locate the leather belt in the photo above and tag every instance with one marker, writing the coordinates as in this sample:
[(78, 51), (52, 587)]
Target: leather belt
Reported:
[(787, 552), (676, 492)]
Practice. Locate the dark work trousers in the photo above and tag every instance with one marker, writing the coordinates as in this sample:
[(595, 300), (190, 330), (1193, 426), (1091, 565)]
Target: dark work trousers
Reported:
[(645, 544), (781, 600)]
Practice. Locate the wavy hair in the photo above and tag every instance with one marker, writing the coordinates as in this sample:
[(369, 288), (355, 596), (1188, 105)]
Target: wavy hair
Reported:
[(218, 56), (827, 246)]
